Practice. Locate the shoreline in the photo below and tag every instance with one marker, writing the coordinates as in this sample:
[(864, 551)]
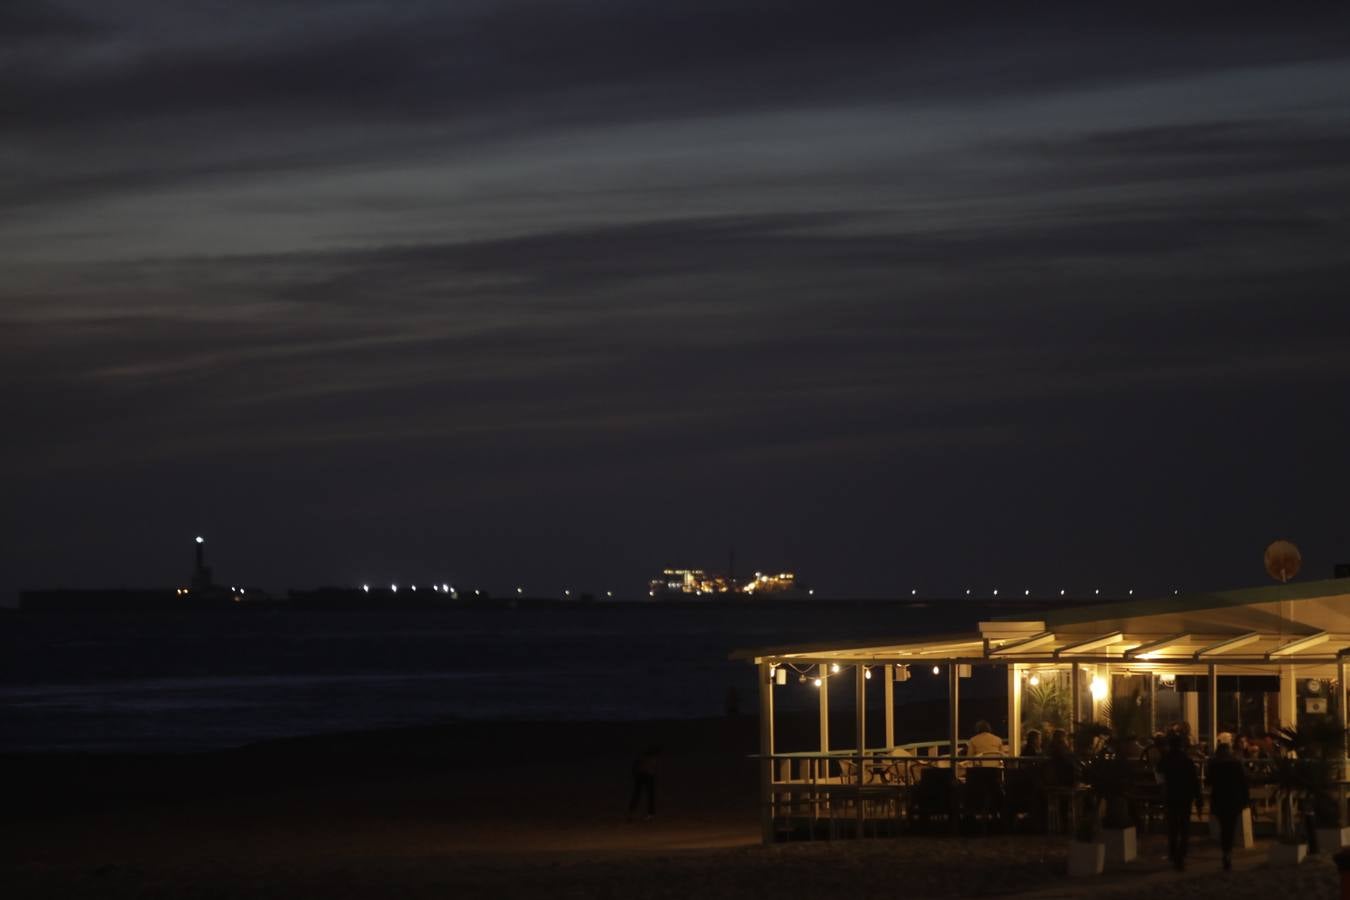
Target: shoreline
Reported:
[(504, 810)]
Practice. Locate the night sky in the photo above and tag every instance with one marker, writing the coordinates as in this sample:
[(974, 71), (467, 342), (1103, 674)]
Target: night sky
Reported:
[(897, 295)]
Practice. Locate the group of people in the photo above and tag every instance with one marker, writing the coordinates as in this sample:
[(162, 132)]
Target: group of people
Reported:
[(1227, 780), (1173, 757)]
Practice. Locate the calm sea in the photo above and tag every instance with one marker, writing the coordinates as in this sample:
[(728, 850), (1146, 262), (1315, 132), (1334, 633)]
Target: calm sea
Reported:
[(155, 682)]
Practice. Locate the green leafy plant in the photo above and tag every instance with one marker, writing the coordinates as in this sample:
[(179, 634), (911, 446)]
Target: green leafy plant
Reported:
[(1045, 706), (1290, 788), (1095, 768), (1316, 772)]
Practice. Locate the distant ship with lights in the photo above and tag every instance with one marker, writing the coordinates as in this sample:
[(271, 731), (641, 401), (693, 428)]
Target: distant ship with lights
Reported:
[(682, 584)]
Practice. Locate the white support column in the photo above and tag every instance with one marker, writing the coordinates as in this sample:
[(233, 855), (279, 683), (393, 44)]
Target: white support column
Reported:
[(1288, 697), (1014, 710), (1075, 697), (1341, 717), (860, 717), (954, 708), (1152, 702), (1193, 713), (824, 701), (766, 761), (889, 675), (1213, 707)]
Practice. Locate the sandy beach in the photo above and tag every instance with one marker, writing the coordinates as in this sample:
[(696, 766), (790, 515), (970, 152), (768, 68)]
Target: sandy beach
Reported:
[(503, 810)]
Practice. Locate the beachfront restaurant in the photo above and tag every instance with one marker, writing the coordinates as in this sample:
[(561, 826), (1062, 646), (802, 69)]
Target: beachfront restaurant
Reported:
[(1243, 662)]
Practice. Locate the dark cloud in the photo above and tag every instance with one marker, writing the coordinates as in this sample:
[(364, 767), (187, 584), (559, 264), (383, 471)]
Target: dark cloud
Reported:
[(858, 288)]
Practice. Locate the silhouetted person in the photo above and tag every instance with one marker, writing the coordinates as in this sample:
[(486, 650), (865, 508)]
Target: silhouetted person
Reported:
[(1181, 789), (1228, 783), (1032, 745), (1060, 772), (644, 781), (1154, 752)]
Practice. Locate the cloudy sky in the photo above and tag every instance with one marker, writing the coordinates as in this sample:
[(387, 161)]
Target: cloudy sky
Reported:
[(896, 294)]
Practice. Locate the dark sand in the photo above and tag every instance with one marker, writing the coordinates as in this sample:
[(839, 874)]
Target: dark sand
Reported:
[(483, 810)]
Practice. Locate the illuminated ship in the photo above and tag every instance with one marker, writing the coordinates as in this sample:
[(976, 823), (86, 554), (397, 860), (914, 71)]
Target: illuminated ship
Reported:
[(682, 583)]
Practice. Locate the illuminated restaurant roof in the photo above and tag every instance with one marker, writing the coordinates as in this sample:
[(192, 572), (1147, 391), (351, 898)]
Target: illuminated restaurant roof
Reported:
[(1305, 623)]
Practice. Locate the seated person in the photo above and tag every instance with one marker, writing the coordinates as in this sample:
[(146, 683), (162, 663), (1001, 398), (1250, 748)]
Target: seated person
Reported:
[(984, 742), (1032, 745)]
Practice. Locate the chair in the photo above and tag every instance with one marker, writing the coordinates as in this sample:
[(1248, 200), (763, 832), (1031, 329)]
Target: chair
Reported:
[(1022, 789), (984, 794), (935, 794)]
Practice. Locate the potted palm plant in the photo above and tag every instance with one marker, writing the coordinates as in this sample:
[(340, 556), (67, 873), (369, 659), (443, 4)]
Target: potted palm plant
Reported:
[(1320, 748), (1113, 777), (1291, 789), (1087, 850)]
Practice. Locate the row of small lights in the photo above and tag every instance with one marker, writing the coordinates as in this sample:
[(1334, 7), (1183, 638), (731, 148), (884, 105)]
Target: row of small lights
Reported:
[(1027, 593), (449, 589), (1097, 687)]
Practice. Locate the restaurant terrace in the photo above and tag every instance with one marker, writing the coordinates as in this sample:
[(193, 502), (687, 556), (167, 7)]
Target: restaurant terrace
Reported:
[(1256, 659)]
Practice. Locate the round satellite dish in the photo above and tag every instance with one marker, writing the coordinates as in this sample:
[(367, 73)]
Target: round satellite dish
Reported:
[(1283, 561)]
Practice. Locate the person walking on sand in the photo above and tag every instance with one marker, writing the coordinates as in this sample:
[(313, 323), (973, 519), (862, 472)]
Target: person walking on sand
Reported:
[(1228, 781), (644, 781), (1181, 789)]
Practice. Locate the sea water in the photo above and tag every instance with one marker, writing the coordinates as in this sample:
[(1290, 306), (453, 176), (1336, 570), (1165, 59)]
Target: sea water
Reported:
[(139, 681)]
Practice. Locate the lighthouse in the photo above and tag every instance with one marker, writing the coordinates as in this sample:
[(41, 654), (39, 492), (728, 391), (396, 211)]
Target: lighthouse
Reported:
[(201, 574)]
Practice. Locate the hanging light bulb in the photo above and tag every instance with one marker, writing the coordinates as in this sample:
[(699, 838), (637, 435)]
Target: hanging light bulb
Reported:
[(867, 673), (834, 668), (1097, 687), (1034, 680), (818, 682), (936, 670)]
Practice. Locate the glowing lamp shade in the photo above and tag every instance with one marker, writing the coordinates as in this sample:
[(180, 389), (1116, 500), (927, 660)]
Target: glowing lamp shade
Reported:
[(1098, 687), (780, 676), (1283, 561)]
